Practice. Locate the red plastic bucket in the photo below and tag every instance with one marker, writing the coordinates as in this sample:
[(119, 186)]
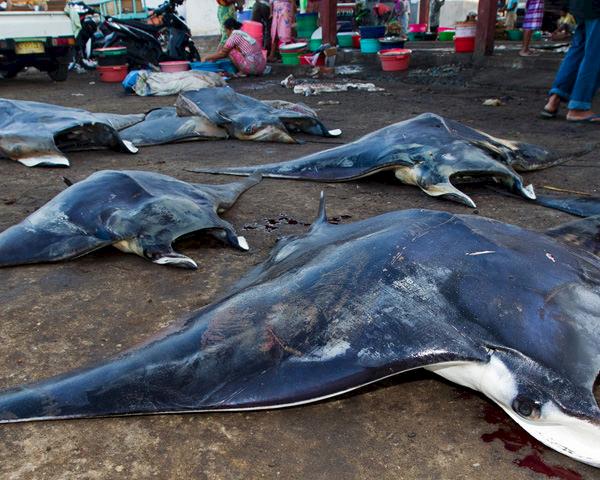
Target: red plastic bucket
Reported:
[(395, 59), (305, 59), (356, 41), (112, 74), (464, 44), (254, 29)]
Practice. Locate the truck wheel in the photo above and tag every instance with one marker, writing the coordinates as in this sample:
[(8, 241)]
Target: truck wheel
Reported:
[(12, 73), (59, 71)]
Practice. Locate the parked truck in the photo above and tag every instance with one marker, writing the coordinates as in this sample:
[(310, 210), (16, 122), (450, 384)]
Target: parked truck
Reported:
[(36, 39)]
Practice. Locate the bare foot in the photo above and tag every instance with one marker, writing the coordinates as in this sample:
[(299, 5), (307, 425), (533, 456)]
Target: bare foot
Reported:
[(583, 116), (552, 104), (527, 53)]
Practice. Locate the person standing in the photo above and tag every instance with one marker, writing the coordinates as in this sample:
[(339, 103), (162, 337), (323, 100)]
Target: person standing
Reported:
[(534, 15), (511, 14), (225, 10), (261, 13), (402, 12), (435, 7), (578, 78), (283, 13)]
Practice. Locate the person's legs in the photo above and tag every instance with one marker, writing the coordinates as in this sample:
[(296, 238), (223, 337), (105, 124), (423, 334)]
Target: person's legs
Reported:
[(567, 73), (588, 76), (533, 21), (527, 34)]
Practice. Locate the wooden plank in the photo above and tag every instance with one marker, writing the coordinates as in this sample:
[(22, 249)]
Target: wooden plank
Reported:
[(423, 12), (329, 21), (486, 27)]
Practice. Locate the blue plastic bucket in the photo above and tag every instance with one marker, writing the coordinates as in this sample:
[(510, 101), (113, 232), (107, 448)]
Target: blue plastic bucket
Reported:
[(369, 45), (244, 15), (372, 31)]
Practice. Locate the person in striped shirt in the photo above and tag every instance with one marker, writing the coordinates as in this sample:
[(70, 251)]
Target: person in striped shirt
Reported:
[(243, 50)]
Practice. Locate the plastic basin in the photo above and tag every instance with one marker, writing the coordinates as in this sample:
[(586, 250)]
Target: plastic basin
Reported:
[(244, 15), (174, 66), (306, 24), (205, 66), (514, 35), (395, 59), (446, 36), (345, 39), (369, 45), (417, 27), (388, 43), (112, 74), (314, 44)]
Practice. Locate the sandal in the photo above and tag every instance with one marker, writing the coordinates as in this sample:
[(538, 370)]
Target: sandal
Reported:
[(547, 114), (591, 119)]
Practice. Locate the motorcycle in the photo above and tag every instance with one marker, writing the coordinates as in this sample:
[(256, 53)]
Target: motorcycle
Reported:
[(166, 37)]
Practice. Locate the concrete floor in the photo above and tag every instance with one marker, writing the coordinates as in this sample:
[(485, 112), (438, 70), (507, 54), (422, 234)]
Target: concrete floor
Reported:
[(58, 317)]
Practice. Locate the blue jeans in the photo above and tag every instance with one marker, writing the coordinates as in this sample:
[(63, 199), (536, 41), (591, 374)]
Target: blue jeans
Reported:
[(578, 77)]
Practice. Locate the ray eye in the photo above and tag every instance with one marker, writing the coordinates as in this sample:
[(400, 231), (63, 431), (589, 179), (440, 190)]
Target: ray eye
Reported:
[(526, 407)]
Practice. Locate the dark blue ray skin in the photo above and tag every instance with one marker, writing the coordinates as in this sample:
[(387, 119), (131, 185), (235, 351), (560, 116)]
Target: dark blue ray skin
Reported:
[(350, 304), (110, 206), (28, 129), (163, 125), (422, 141), (245, 116), (580, 206), (584, 234), (428, 151)]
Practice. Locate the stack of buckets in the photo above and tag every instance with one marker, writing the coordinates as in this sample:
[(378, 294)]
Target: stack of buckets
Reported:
[(464, 38), (306, 24), (112, 64), (255, 30)]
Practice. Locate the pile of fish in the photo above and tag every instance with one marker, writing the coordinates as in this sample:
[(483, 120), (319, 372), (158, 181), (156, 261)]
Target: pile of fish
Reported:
[(37, 134), (503, 310)]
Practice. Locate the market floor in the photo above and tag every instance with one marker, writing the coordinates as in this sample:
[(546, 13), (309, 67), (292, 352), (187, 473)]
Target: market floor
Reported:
[(58, 317)]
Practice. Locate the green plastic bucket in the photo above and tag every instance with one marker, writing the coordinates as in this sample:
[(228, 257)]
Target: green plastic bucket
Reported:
[(514, 35), (446, 36), (314, 44), (537, 35), (345, 39), (306, 24), (369, 45), (290, 58)]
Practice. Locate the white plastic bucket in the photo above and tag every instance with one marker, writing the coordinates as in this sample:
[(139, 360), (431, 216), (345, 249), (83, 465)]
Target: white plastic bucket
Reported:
[(465, 29)]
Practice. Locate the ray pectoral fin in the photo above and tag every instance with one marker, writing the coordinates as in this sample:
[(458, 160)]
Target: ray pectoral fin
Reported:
[(24, 244), (40, 151)]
